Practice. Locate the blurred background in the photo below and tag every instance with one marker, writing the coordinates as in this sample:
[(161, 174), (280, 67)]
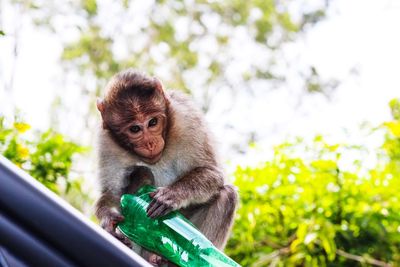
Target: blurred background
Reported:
[(302, 96)]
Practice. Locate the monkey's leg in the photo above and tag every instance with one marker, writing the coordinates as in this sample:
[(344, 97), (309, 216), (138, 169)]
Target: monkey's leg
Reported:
[(154, 259), (215, 218)]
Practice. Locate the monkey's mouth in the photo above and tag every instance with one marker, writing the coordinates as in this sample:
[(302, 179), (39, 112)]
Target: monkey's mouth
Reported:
[(153, 158)]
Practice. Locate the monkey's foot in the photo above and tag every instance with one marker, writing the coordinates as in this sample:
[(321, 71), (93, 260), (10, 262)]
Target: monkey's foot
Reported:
[(155, 259), (121, 237)]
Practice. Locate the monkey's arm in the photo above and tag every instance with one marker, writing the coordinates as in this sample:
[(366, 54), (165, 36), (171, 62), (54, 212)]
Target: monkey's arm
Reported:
[(196, 187), (112, 175), (109, 215), (107, 212)]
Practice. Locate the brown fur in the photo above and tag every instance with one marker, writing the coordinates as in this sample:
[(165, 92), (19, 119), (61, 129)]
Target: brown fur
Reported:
[(215, 214), (188, 174)]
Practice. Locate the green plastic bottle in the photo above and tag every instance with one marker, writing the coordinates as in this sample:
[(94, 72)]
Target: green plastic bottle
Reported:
[(172, 236)]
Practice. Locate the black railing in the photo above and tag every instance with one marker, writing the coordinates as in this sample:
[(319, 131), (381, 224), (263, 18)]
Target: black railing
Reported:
[(37, 228)]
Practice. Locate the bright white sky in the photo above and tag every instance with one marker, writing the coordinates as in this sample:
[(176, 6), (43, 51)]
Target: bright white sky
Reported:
[(360, 33), (363, 34)]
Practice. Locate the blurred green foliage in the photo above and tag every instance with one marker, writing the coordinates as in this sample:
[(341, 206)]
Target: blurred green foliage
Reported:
[(47, 156), (313, 205)]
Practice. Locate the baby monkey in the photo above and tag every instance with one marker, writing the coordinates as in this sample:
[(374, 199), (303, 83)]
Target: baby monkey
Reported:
[(152, 136)]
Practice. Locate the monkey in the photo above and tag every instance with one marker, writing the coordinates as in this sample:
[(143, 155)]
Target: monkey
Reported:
[(150, 135)]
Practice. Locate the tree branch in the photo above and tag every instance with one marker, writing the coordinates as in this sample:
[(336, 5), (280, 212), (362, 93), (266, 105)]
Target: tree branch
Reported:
[(362, 259)]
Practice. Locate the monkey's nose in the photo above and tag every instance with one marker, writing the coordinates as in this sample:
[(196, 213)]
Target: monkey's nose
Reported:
[(151, 146)]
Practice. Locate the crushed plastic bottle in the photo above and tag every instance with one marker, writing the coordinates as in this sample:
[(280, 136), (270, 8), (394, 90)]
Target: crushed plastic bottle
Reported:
[(172, 236)]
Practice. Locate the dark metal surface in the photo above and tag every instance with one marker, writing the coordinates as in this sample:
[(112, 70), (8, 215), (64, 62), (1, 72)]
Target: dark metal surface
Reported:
[(25, 246), (34, 214)]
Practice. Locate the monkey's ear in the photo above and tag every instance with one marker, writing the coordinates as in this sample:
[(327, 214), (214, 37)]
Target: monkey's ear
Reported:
[(100, 105), (159, 85), (101, 108)]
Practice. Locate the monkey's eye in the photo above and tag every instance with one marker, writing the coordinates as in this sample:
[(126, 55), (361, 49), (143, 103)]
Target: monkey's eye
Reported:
[(153, 122), (134, 129)]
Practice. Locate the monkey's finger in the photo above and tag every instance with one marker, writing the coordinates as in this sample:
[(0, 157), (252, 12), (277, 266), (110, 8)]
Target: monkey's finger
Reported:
[(116, 217), (154, 207), (109, 228), (126, 242), (160, 192), (123, 239), (155, 259), (153, 204), (165, 212), (159, 212), (161, 261), (162, 211), (155, 212)]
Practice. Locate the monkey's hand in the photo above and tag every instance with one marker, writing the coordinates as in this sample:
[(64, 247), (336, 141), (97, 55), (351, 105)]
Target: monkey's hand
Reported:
[(109, 223), (164, 201)]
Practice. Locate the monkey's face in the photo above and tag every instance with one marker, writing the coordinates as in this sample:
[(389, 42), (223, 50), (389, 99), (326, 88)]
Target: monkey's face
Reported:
[(146, 136), (134, 111), (142, 136)]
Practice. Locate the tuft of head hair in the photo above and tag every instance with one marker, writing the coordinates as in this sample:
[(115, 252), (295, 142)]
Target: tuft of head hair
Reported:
[(130, 84)]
